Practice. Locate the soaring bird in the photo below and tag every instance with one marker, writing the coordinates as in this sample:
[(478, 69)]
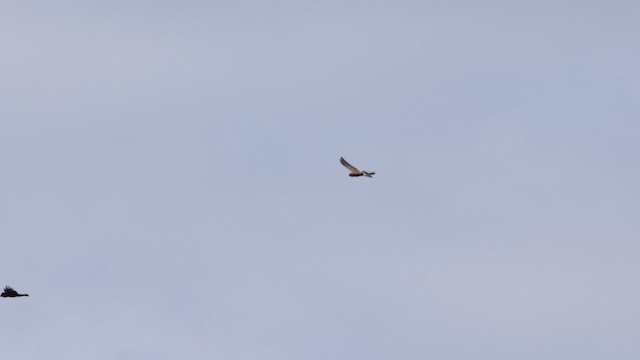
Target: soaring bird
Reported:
[(354, 171), (9, 292)]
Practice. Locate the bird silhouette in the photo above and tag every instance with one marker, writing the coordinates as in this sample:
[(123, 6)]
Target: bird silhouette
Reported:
[(9, 292), (354, 172)]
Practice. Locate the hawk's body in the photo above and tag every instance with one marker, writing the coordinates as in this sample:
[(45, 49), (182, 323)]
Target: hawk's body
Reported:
[(354, 172)]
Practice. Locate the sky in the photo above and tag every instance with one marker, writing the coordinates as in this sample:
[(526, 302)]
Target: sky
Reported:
[(171, 185)]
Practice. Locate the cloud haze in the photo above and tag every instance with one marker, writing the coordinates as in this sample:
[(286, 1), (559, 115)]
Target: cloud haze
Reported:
[(171, 185)]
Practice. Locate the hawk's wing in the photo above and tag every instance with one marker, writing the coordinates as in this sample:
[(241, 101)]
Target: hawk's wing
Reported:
[(351, 168)]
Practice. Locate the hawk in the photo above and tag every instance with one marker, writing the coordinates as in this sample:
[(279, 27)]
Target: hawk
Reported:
[(354, 171)]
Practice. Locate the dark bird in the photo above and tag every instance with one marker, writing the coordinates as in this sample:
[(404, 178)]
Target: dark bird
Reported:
[(354, 171), (9, 292)]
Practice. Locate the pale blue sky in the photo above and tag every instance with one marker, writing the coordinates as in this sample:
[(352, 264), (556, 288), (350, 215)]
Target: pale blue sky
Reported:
[(171, 188)]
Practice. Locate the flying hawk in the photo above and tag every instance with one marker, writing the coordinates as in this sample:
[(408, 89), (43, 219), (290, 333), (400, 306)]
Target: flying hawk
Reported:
[(353, 170), (9, 292)]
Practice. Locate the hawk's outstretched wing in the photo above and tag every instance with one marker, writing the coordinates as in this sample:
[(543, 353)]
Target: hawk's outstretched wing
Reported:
[(351, 168)]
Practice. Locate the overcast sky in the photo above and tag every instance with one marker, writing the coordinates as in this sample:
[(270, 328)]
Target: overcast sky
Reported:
[(170, 185)]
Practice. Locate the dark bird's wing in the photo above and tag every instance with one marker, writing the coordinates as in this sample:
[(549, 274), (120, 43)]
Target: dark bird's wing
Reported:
[(351, 168), (9, 291)]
